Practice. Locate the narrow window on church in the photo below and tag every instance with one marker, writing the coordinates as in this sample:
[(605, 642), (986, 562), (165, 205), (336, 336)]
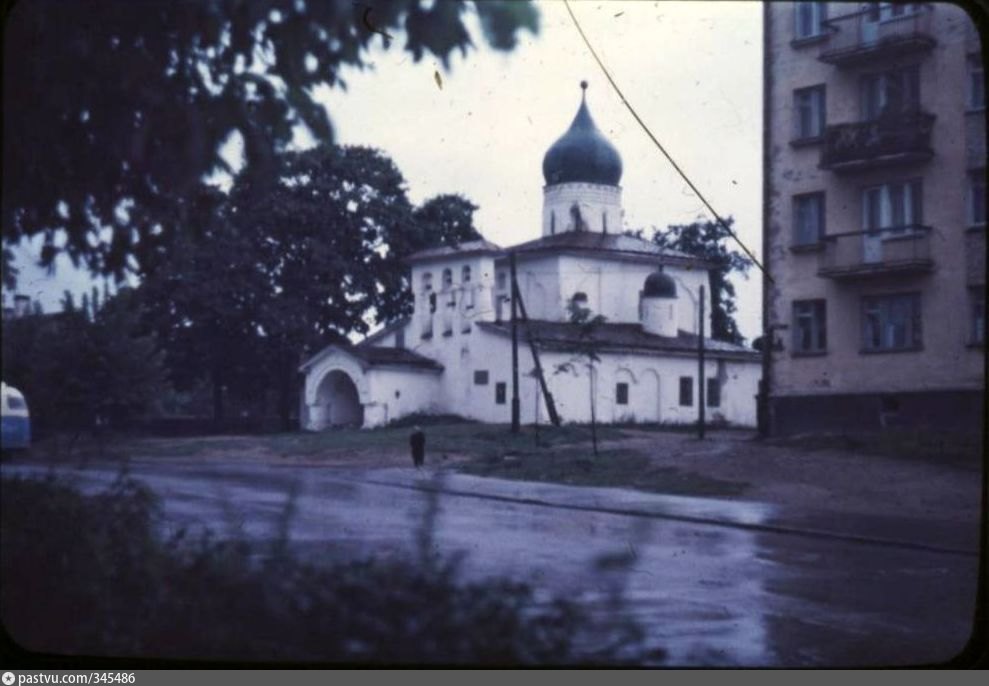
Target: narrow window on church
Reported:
[(447, 279), (686, 391), (621, 393), (604, 221), (552, 223), (713, 393), (427, 282), (501, 392)]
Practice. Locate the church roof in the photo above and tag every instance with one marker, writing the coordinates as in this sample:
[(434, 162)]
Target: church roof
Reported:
[(374, 356), (614, 244), (659, 285), (582, 154), (387, 329), (478, 247), (621, 338)]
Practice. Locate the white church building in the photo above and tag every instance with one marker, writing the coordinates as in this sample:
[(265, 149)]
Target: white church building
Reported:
[(453, 355)]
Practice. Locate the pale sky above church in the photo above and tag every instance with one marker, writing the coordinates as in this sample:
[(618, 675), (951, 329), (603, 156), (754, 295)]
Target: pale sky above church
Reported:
[(692, 71)]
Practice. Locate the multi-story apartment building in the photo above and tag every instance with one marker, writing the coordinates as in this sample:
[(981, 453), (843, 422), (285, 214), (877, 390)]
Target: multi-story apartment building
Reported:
[(874, 216)]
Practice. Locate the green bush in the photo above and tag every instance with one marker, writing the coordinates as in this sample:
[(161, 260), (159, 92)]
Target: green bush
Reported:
[(87, 575)]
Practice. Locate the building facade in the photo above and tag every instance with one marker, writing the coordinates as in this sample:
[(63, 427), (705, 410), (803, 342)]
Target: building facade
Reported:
[(453, 355), (874, 226)]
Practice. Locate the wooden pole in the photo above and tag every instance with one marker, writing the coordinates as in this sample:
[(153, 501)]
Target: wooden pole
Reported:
[(701, 384), (554, 418), (516, 407)]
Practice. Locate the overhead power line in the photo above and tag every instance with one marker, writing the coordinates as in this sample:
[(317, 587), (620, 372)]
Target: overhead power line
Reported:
[(659, 145)]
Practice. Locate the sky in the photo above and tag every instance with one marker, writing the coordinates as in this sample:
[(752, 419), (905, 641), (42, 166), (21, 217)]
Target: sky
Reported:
[(692, 71)]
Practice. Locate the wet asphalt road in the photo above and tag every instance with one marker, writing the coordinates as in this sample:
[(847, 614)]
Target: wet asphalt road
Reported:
[(717, 582)]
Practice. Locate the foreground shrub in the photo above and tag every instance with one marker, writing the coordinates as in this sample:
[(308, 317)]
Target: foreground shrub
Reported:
[(87, 575)]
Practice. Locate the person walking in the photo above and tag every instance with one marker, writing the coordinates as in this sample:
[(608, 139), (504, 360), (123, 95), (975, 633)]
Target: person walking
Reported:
[(417, 441)]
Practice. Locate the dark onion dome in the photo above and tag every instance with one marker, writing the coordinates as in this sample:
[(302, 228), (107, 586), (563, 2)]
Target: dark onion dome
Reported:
[(582, 154), (659, 285)]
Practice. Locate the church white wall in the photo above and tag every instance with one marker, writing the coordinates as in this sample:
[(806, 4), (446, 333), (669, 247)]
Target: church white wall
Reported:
[(613, 288), (539, 281), (654, 388), (395, 393), (659, 316), (600, 207)]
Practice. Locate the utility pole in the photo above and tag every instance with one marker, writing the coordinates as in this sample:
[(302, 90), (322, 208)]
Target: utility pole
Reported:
[(701, 385), (516, 408)]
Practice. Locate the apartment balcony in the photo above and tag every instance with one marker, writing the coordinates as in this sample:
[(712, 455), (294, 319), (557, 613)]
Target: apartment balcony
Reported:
[(879, 33), (892, 139), (866, 254)]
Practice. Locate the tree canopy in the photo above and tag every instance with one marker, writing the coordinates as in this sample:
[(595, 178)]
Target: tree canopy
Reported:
[(286, 268), (82, 363), (116, 110)]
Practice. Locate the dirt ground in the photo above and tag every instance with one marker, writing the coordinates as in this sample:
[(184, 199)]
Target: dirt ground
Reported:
[(826, 479), (818, 478)]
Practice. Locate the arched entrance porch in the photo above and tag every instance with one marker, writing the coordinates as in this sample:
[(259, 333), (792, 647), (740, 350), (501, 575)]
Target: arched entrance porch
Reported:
[(338, 403)]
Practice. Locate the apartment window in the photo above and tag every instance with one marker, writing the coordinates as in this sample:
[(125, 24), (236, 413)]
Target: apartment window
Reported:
[(810, 332), (888, 11), (891, 93), (621, 393), (977, 298), (481, 377), (808, 218), (686, 391), (977, 197), (810, 18), (501, 391), (713, 393), (976, 84), (894, 207), (809, 112), (891, 322)]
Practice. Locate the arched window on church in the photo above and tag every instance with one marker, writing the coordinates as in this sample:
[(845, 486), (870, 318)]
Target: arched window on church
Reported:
[(465, 280), (450, 302), (552, 223), (429, 305)]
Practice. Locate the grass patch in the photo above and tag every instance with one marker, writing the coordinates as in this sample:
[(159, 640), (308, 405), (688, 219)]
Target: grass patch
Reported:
[(613, 468), (453, 437)]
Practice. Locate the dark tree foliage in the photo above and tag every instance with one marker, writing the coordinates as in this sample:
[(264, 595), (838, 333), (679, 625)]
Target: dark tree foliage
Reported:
[(80, 364), (124, 104), (288, 268), (447, 219), (710, 241)]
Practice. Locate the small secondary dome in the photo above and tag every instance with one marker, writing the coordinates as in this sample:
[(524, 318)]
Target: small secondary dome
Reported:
[(582, 154), (659, 285)]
